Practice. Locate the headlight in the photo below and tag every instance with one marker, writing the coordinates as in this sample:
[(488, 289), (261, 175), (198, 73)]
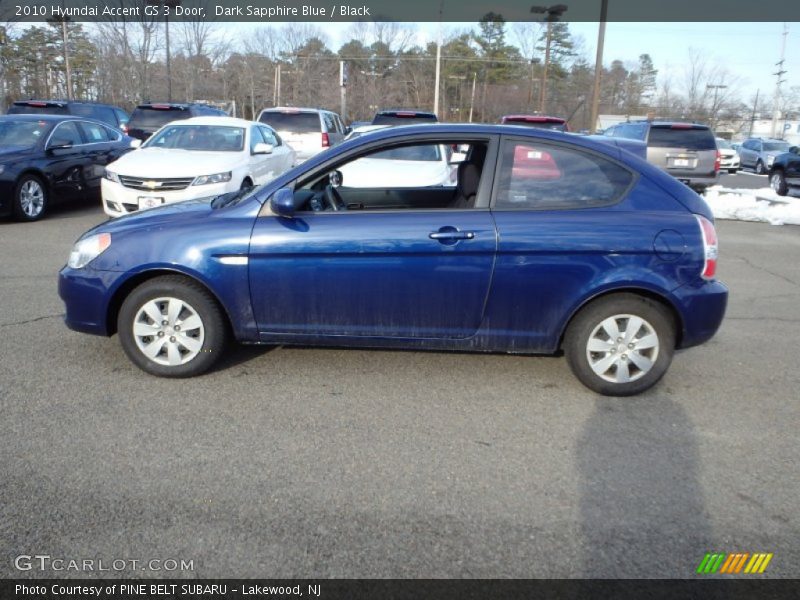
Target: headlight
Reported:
[(111, 176), (215, 178), (87, 249), (770, 160)]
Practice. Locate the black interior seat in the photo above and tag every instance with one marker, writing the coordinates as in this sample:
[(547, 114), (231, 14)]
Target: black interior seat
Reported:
[(469, 177)]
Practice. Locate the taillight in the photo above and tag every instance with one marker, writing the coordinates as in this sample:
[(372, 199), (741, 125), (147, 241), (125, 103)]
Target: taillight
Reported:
[(710, 247), (717, 162), (326, 141)]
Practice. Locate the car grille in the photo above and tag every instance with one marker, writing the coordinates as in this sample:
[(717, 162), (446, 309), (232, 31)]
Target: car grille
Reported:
[(155, 184)]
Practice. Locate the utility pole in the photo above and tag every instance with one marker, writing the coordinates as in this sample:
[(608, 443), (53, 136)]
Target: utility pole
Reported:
[(553, 13), (534, 62), (598, 68), (472, 98), (438, 63), (753, 116), (343, 90), (776, 103)]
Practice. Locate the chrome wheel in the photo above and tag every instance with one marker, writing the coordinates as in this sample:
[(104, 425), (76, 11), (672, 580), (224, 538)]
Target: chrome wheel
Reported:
[(31, 198), (168, 331), (777, 182), (622, 348)]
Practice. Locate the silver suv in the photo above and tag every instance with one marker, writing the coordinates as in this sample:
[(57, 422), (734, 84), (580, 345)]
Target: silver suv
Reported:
[(760, 153), (307, 130), (686, 151)]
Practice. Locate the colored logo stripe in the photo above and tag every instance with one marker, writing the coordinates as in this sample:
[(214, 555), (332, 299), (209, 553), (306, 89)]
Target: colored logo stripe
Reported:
[(734, 562)]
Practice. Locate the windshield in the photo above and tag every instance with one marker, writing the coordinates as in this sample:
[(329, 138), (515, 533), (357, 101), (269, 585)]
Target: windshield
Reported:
[(153, 118), (776, 147), (725, 144), (24, 134), (207, 138)]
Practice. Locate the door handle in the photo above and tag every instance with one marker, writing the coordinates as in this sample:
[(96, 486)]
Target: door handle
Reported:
[(451, 235)]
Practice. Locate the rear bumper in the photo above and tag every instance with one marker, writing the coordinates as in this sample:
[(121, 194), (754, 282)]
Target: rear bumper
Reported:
[(702, 307)]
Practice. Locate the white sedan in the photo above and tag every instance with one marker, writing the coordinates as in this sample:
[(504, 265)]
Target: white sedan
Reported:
[(194, 158), (425, 165)]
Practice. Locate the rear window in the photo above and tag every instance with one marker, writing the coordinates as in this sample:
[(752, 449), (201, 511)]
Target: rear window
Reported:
[(296, 122), (403, 118), (694, 138), (101, 113), (32, 109), (156, 117)]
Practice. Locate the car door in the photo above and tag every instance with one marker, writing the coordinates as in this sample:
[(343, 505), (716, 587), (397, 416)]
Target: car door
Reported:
[(281, 158), (99, 151), (402, 273), (66, 161), (749, 153)]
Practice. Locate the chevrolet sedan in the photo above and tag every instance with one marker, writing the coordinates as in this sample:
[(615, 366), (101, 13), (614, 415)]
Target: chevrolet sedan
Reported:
[(548, 243)]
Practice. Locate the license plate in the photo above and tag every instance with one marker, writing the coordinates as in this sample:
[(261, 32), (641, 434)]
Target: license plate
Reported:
[(150, 201), (681, 162)]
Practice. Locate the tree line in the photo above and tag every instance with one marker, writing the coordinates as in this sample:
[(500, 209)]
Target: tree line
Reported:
[(488, 70)]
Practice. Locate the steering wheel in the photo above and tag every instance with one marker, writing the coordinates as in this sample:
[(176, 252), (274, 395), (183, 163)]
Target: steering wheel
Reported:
[(333, 198)]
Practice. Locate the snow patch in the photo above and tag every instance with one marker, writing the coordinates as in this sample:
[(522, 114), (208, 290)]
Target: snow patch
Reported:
[(762, 205)]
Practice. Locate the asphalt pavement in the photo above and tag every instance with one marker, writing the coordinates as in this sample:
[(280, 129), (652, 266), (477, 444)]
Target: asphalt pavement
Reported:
[(350, 463), (744, 180)]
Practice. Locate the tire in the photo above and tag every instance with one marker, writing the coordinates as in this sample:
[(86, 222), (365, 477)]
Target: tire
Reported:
[(655, 336), (30, 198), (184, 352), (777, 182), (760, 170)]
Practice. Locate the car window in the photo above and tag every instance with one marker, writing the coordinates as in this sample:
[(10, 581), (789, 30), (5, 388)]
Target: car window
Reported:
[(540, 176), (420, 153), (256, 137), (296, 122), (330, 125), (776, 147), (691, 138), (203, 138), (94, 132), (66, 133), (23, 134), (724, 144), (101, 113), (156, 117), (122, 116), (268, 136)]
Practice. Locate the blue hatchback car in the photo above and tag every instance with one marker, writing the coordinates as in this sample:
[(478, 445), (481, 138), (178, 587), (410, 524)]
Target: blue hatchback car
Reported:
[(544, 242)]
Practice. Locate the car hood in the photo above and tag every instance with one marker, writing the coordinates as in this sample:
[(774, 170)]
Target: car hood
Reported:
[(156, 217), (160, 163), (9, 152)]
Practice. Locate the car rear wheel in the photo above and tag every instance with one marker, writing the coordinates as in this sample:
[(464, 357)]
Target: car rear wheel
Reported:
[(620, 345), (760, 170), (778, 182), (30, 198), (172, 327)]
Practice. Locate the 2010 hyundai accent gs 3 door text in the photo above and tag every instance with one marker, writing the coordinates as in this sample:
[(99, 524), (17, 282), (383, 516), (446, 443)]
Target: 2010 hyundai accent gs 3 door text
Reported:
[(546, 242)]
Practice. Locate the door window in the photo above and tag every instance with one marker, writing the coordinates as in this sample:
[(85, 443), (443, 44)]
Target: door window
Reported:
[(66, 133), (94, 132)]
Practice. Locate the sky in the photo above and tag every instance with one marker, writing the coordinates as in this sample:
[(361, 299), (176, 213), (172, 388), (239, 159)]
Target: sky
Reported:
[(748, 51)]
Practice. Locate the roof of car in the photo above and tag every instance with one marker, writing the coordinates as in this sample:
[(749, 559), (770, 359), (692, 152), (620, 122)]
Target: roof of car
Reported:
[(294, 109), (216, 120), (48, 117)]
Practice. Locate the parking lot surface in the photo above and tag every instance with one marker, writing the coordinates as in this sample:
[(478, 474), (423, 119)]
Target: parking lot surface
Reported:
[(348, 463)]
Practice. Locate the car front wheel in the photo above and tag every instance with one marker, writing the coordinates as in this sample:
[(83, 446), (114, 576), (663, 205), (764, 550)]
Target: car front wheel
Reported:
[(30, 198), (620, 345), (778, 182), (760, 170), (172, 327)]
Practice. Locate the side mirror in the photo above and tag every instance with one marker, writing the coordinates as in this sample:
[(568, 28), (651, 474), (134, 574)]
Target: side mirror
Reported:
[(135, 143), (282, 203), (795, 149), (262, 148), (58, 148), (348, 130)]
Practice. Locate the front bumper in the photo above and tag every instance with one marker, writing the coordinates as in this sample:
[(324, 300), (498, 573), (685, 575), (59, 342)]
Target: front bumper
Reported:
[(119, 200), (729, 162), (86, 294)]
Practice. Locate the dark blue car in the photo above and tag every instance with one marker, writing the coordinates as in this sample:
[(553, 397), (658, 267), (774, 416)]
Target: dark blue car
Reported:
[(546, 242)]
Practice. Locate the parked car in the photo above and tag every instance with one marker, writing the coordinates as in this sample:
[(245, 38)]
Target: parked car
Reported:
[(148, 118), (539, 121), (759, 153), (105, 113), (687, 151), (635, 147), (48, 159), (784, 174), (403, 116), (612, 261), (194, 158), (728, 156), (307, 130)]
